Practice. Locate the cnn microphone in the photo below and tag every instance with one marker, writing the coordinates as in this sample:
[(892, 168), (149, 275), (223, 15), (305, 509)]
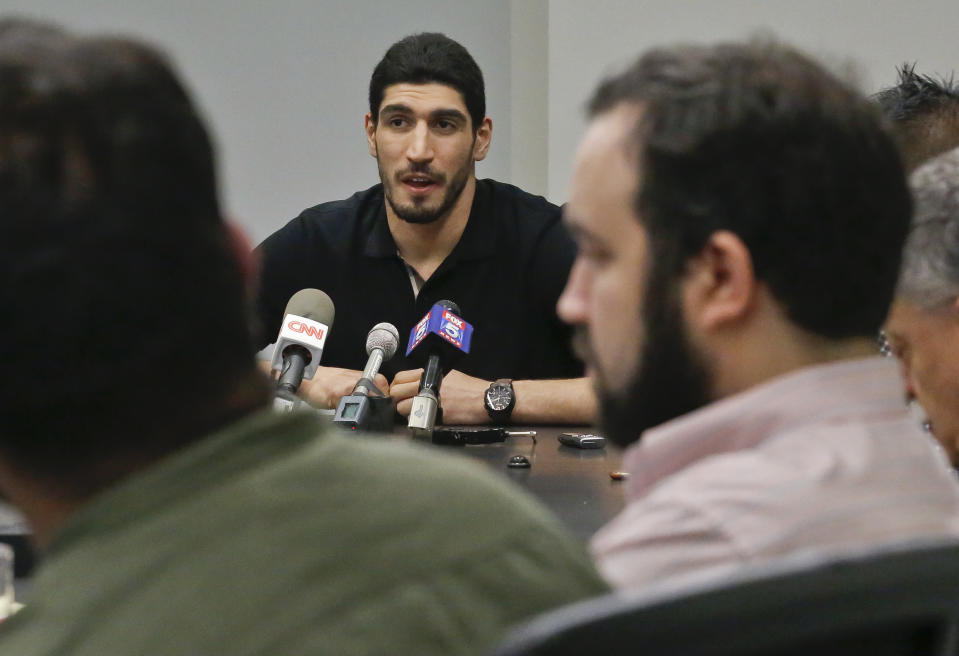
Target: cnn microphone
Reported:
[(367, 407), (306, 323), (443, 337)]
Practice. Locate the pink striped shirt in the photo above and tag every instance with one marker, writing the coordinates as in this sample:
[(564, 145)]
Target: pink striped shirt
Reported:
[(825, 458)]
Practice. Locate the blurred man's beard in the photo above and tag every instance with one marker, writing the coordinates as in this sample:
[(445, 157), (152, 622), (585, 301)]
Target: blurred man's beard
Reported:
[(671, 380), (422, 213)]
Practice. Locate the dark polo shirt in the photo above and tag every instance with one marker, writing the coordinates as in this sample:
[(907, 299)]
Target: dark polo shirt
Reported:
[(506, 274)]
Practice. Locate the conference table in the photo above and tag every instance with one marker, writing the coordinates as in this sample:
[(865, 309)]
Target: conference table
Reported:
[(574, 483)]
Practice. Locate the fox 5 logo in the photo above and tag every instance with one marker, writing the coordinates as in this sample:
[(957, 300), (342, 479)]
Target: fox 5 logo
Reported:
[(452, 331), (421, 329), (452, 318)]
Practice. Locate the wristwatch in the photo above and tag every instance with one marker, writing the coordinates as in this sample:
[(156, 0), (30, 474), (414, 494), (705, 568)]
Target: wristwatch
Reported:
[(499, 400)]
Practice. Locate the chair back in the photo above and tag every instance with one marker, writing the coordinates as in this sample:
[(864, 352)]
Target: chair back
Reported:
[(899, 601)]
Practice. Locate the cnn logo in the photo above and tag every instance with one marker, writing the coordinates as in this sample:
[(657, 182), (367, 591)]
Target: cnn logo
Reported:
[(302, 328)]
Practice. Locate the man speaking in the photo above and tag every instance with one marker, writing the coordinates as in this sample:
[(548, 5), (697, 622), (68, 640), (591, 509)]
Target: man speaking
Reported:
[(430, 231)]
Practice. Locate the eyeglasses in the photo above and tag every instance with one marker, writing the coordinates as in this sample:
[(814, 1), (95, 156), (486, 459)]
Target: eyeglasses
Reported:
[(885, 348)]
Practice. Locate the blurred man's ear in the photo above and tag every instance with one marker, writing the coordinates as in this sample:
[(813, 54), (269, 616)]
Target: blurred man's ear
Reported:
[(719, 284), (243, 254)]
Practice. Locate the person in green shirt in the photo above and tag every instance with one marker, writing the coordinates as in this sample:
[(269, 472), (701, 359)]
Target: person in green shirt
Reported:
[(175, 513)]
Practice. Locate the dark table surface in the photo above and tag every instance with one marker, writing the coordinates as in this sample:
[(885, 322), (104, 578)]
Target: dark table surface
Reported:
[(574, 483)]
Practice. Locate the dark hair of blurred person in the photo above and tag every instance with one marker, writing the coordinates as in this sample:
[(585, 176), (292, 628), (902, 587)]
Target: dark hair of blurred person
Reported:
[(924, 112), (112, 242), (25, 36)]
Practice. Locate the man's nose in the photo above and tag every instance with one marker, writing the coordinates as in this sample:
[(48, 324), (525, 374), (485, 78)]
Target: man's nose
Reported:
[(420, 148), (908, 380), (572, 304), (910, 386)]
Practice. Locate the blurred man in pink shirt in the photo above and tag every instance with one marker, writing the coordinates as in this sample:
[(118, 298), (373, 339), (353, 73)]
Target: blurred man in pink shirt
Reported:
[(740, 214)]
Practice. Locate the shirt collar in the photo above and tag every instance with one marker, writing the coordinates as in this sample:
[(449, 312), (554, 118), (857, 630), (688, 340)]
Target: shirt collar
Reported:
[(477, 242), (851, 388), (234, 448)]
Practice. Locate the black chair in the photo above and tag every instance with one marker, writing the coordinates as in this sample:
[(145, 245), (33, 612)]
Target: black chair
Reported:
[(900, 601)]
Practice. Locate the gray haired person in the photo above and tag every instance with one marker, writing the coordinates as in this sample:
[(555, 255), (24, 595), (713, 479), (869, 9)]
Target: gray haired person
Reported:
[(923, 326)]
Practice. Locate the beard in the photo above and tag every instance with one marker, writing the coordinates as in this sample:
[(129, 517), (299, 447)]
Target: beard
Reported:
[(421, 213), (671, 378)]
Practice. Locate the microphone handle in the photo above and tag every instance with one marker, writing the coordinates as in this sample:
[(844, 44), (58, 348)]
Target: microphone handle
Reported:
[(432, 376), (422, 419), (374, 363), (295, 359), (369, 373), (286, 402)]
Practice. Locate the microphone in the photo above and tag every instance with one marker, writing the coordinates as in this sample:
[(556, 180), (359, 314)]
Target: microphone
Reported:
[(444, 338), (367, 403), (381, 344), (299, 346)]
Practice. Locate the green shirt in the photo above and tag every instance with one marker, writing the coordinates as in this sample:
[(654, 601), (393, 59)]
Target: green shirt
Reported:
[(278, 536)]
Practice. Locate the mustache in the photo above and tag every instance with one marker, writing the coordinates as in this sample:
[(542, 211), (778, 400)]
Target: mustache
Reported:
[(580, 344), (424, 169)]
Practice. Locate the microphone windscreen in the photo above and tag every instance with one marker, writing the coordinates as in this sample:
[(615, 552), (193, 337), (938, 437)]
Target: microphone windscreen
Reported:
[(449, 305), (312, 304), (383, 336)]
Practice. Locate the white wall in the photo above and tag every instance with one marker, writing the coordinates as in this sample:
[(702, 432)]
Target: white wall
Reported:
[(590, 39), (529, 137), (284, 83)]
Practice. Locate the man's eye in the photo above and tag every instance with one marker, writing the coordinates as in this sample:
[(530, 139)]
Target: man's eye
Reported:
[(397, 122), (898, 349), (446, 126), (594, 254)]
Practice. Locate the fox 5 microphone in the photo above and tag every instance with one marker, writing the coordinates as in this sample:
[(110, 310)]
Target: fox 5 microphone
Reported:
[(367, 407), (299, 346), (443, 337)]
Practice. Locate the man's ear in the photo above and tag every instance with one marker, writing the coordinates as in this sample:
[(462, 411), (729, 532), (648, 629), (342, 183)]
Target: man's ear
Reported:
[(719, 285), (483, 137), (370, 133), (246, 260)]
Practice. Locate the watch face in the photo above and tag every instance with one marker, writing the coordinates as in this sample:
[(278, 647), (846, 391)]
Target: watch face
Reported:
[(498, 398)]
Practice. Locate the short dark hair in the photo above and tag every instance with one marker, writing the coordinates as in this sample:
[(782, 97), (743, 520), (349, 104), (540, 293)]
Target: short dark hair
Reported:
[(759, 140), (124, 316), (430, 57), (29, 36), (924, 112)]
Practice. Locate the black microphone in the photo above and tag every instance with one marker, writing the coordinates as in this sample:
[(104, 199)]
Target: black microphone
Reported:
[(299, 346), (444, 338), (367, 407)]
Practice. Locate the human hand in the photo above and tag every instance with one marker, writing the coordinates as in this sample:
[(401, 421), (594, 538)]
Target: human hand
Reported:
[(330, 384), (461, 396)]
